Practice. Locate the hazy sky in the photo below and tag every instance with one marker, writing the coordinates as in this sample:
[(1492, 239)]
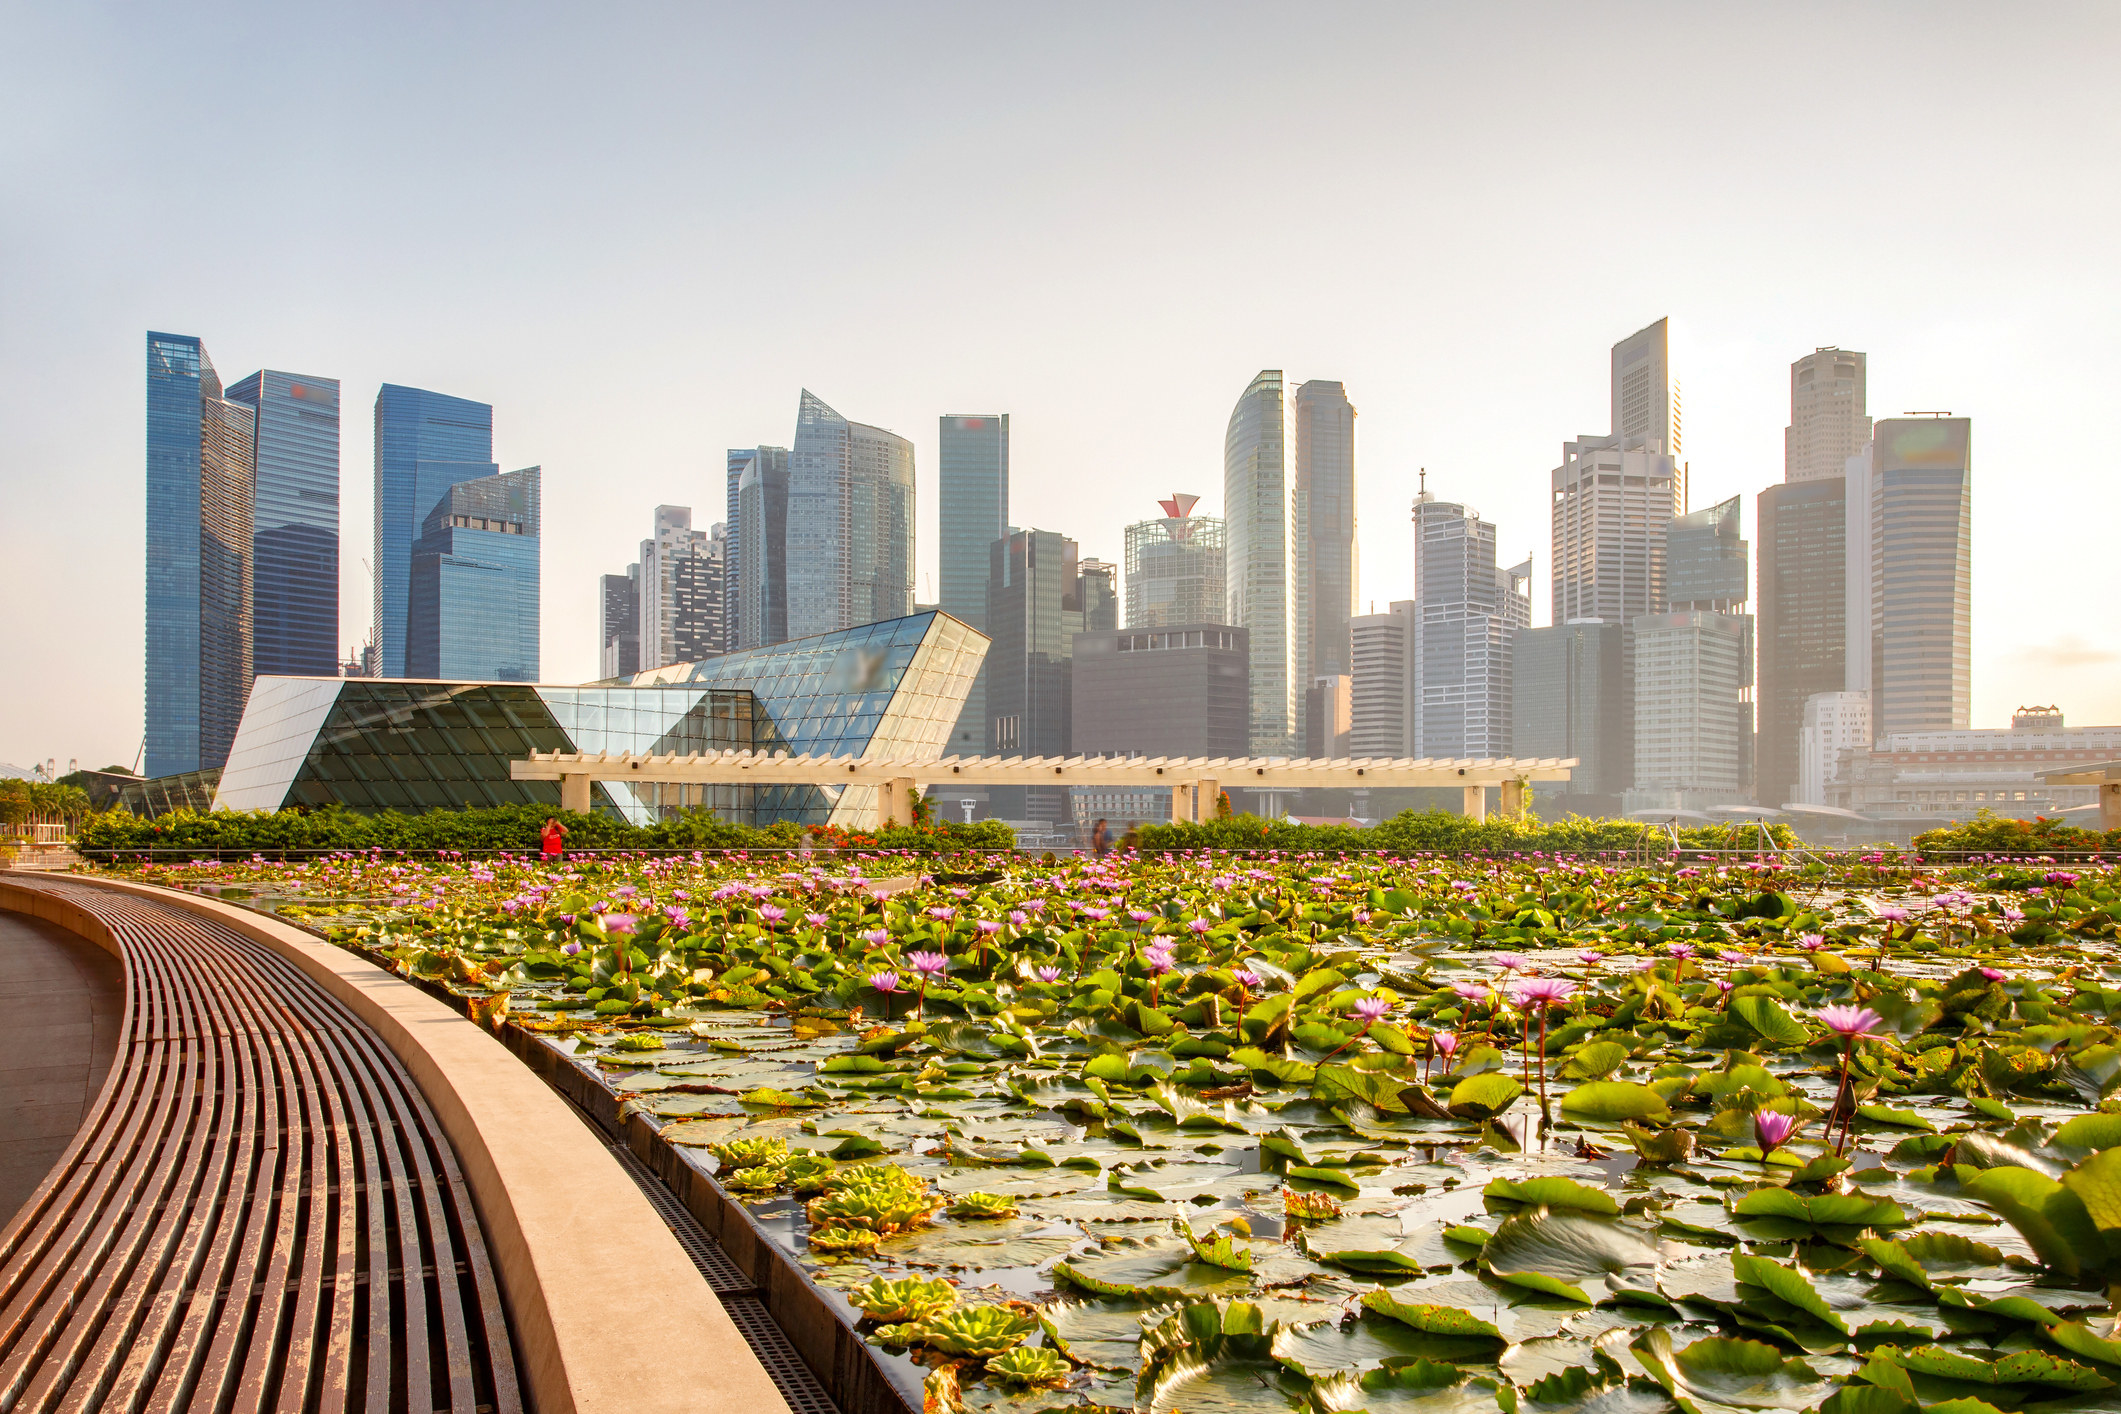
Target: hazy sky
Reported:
[(639, 232)]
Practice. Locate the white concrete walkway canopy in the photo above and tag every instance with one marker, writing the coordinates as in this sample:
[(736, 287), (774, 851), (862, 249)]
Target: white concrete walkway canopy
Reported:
[(2106, 777), (1195, 781)]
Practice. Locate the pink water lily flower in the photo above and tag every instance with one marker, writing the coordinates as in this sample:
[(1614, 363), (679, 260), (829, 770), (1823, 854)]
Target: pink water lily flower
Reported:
[(928, 964), (884, 981), (619, 922), (1850, 1021), (1049, 974), (1370, 1009), (1771, 1129), (877, 937), (1542, 991)]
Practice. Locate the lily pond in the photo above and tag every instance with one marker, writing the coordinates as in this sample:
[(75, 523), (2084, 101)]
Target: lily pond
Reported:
[(1217, 1132)]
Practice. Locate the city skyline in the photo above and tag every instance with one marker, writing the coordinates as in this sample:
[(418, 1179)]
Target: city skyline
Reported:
[(1470, 345)]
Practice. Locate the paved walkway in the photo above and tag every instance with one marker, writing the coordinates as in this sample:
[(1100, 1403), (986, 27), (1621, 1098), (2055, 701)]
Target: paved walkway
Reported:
[(62, 1002)]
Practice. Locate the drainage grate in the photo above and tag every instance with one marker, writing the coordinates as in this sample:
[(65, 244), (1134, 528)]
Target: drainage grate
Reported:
[(770, 1343)]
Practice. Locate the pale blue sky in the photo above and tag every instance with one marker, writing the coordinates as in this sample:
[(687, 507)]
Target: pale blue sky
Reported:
[(639, 231)]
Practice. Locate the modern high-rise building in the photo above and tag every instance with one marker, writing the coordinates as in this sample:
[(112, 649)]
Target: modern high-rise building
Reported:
[(972, 512), (1693, 670), (1570, 699), (682, 614), (1179, 690), (850, 523), (756, 566), (1829, 416), (1466, 617), (1646, 392), (619, 623), (201, 450), (1381, 715), (1176, 567), (1323, 535), (425, 443), (1261, 557), (1040, 595), (294, 522), (1610, 510), (1914, 553), (472, 600)]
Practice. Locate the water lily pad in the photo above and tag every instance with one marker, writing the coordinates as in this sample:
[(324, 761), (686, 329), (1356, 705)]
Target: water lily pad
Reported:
[(1612, 1101), (1161, 1269), (1557, 1251), (1721, 1372)]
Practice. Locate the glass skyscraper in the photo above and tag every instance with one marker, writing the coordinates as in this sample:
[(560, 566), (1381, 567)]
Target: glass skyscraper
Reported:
[(472, 600), (1324, 531), (972, 477), (756, 563), (1260, 557), (200, 450), (850, 522), (425, 443), (294, 522)]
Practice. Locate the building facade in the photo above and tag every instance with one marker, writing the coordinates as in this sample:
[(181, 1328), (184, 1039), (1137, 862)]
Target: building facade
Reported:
[(1176, 567), (1380, 713), (756, 564), (850, 523), (1914, 781), (1466, 617), (972, 509), (683, 616), (1916, 486), (1689, 727), (425, 443), (1323, 439), (1570, 698), (1803, 653), (1829, 414), (883, 689), (1833, 723), (1180, 690), (472, 608), (294, 521), (1645, 392), (1040, 596), (1260, 557), (200, 529), (619, 623)]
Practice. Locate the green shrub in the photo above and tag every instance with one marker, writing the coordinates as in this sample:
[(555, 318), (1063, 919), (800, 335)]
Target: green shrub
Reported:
[(1990, 833), (1440, 831)]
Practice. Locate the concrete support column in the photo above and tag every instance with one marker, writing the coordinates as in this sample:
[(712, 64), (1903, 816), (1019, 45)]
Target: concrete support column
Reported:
[(574, 793), (894, 801), (1513, 799), (2110, 805), (1476, 802), (1207, 799), (1183, 807)]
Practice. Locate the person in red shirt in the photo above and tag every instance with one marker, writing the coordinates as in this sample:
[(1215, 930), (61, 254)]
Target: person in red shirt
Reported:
[(552, 839)]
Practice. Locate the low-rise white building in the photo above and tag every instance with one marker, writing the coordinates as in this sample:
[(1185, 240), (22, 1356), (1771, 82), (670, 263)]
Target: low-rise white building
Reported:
[(1833, 722)]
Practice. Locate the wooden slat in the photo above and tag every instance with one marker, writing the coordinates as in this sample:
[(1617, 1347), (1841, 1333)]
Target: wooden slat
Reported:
[(259, 1212)]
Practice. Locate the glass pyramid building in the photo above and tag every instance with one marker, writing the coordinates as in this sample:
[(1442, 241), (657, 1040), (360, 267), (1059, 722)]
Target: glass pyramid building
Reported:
[(891, 688)]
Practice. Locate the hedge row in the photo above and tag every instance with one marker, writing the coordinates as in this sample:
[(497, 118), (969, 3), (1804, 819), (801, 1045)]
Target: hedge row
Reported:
[(1990, 833), (509, 828), (1440, 831)]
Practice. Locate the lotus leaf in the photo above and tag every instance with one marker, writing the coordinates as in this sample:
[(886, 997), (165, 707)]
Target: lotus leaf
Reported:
[(1719, 1371), (1613, 1101), (1482, 1096), (1423, 1386), (1556, 1251)]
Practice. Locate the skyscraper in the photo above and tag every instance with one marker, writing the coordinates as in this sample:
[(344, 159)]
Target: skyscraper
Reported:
[(294, 523), (1645, 392), (1915, 484), (756, 565), (1261, 557), (1466, 617), (1324, 531), (1381, 710), (619, 623), (1039, 596), (850, 522), (972, 481), (1693, 670), (1570, 699), (1829, 415), (425, 443), (1803, 534), (1176, 568), (201, 450), (472, 592), (682, 618)]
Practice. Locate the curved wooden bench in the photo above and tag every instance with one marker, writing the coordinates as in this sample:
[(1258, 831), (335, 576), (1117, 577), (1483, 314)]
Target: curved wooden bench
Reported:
[(259, 1212), (308, 1185)]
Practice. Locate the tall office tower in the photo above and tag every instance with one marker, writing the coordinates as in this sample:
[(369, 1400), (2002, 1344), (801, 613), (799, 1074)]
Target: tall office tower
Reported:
[(1036, 592), (1466, 616), (1569, 698), (294, 523), (200, 474), (1381, 715), (1175, 568), (1097, 596), (972, 489), (1260, 557), (1803, 572), (1693, 670), (619, 621), (1910, 542), (1829, 417), (850, 522), (1324, 530), (1646, 393), (682, 580), (472, 597), (756, 566), (1610, 510), (425, 443)]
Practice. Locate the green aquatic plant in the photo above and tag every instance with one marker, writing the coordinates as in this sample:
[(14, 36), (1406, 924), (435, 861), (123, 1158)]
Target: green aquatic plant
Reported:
[(909, 1299)]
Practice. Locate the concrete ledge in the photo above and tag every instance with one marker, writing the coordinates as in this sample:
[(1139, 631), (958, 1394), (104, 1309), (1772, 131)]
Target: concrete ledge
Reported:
[(608, 1313)]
